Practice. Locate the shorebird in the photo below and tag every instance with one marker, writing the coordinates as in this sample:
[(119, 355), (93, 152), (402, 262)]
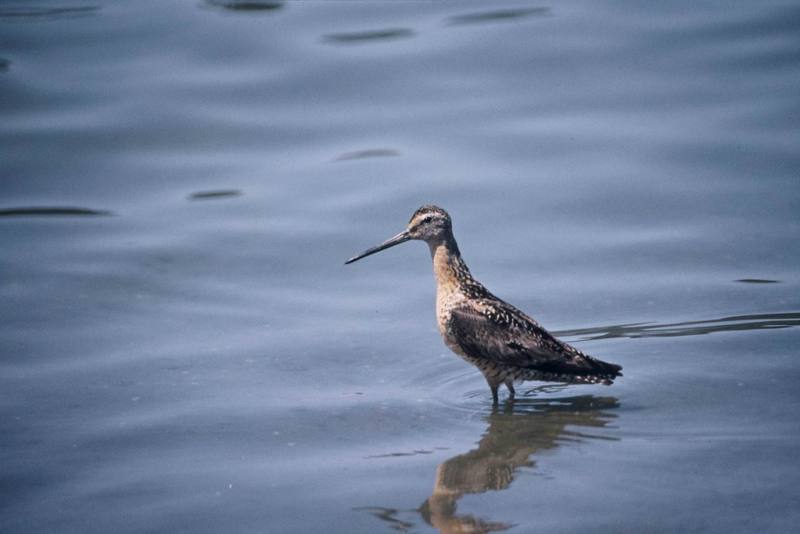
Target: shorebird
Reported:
[(505, 344)]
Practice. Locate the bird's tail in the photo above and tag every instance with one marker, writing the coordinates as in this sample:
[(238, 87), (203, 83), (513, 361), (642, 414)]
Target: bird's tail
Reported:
[(599, 372), (589, 370), (570, 378)]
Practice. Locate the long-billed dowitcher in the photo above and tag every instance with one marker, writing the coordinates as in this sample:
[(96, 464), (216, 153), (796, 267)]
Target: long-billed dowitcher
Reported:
[(504, 343)]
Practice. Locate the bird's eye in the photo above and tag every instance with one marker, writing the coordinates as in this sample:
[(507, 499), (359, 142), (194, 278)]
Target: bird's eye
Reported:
[(427, 219)]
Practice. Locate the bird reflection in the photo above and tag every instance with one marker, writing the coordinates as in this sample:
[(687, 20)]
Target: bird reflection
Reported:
[(515, 433)]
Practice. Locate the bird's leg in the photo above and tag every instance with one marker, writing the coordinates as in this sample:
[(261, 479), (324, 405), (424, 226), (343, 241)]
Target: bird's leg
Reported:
[(510, 386), (494, 387)]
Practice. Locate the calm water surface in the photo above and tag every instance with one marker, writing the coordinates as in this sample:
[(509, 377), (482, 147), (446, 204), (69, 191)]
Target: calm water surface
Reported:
[(182, 350)]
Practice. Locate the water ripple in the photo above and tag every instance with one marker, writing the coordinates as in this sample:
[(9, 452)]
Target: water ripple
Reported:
[(52, 211), (368, 153), (500, 15), (214, 194), (244, 5), (688, 328), (367, 36), (13, 13)]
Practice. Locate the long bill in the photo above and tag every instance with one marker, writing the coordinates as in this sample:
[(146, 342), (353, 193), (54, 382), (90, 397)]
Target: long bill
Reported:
[(402, 237)]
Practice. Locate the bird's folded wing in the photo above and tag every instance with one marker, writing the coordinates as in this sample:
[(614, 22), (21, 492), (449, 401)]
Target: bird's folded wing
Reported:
[(508, 337)]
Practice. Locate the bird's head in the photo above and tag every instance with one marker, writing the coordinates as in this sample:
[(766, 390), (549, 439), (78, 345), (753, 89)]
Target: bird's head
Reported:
[(429, 223)]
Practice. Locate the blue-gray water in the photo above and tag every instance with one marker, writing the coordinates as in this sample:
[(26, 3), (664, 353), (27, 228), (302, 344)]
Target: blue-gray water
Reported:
[(182, 350)]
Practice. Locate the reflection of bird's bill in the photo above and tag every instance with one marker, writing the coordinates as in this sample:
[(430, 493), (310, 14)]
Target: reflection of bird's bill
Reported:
[(402, 237)]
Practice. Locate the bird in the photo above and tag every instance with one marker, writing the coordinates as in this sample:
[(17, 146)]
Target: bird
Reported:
[(504, 343)]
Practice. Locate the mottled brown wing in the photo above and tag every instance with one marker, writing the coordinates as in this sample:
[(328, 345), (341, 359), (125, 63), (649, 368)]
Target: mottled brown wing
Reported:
[(505, 335)]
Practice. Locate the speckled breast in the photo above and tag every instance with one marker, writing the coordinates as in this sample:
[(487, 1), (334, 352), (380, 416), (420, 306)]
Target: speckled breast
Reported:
[(446, 300)]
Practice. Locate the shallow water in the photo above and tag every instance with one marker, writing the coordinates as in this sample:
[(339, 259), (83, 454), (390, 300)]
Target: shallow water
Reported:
[(183, 350)]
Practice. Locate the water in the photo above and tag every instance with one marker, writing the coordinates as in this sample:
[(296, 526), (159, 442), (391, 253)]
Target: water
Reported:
[(183, 350)]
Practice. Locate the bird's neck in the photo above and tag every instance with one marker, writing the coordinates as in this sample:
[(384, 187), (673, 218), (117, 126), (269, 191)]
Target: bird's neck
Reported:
[(448, 267)]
